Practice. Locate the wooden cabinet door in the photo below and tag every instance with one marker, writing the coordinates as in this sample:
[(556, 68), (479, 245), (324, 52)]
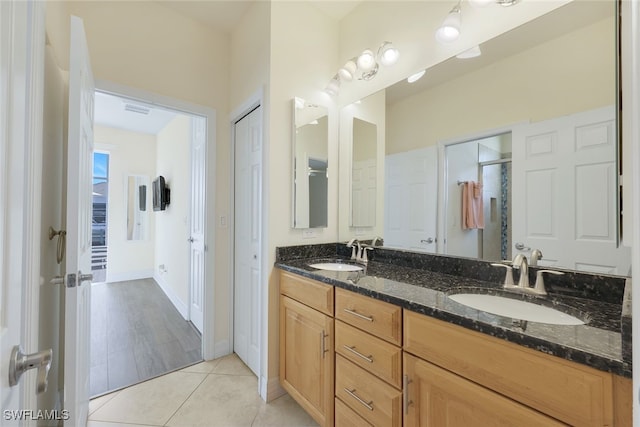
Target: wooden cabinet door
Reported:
[(437, 397), (306, 358)]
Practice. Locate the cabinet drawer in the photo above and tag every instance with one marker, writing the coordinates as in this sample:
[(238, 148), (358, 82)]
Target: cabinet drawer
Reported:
[(307, 291), (568, 391), (373, 354), (379, 318), (370, 397), (346, 417)]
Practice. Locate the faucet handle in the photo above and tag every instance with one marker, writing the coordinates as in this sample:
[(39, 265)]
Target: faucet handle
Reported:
[(508, 279), (364, 253), (539, 286)]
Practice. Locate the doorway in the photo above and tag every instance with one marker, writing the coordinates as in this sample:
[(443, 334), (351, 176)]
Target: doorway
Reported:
[(147, 316)]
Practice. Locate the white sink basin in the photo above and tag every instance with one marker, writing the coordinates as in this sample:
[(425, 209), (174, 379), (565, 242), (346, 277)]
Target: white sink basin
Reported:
[(516, 309), (336, 266)]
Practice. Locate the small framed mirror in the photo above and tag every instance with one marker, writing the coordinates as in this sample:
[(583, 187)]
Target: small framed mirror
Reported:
[(310, 164), (138, 203)]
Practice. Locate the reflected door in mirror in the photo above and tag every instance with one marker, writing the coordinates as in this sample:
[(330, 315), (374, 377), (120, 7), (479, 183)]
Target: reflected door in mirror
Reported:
[(364, 174)]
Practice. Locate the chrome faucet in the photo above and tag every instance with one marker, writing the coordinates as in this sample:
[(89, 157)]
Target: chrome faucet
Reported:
[(536, 255), (375, 241), (359, 251), (520, 263)]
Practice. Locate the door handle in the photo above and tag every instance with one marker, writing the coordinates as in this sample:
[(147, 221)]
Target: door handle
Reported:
[(427, 240), (20, 363), (521, 247), (190, 240)]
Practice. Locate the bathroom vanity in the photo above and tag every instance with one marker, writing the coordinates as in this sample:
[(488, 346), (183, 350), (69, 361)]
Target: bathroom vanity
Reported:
[(386, 346)]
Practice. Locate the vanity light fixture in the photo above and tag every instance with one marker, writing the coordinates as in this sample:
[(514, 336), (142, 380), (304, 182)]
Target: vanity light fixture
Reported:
[(450, 29), (364, 67), (333, 88), (415, 77)]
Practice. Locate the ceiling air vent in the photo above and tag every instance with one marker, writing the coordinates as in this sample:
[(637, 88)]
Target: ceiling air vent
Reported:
[(137, 109)]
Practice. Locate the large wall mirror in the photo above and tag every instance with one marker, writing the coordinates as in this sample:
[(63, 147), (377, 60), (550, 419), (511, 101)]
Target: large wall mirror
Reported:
[(530, 126), (138, 197), (310, 165)]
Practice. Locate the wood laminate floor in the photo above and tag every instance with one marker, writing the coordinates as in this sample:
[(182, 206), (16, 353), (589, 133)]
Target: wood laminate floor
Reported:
[(136, 334)]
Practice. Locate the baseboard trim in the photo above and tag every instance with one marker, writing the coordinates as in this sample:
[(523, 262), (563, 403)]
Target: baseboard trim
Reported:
[(221, 348), (271, 389), (177, 302), (129, 275)]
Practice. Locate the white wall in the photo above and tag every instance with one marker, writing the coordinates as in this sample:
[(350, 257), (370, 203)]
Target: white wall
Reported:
[(172, 224), (130, 153)]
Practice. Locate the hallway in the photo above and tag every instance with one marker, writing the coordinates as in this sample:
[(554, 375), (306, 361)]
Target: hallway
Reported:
[(221, 392), (136, 334)]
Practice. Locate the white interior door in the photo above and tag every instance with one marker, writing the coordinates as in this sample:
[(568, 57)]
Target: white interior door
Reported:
[(364, 178), (15, 49), (79, 205), (247, 237), (563, 169), (197, 223), (411, 194)]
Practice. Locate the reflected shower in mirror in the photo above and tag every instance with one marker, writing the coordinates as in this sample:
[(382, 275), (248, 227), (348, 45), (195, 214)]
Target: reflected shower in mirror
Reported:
[(138, 196), (310, 165), (478, 202), (364, 173)]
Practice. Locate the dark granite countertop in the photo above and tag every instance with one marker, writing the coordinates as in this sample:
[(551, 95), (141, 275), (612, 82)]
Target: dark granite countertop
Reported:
[(597, 343)]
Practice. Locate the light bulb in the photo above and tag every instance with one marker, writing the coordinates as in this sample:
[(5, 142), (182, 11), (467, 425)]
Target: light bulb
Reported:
[(348, 71), (366, 60), (450, 28), (388, 54), (333, 88)]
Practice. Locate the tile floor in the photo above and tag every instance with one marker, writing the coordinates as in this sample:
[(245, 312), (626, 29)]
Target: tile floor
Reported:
[(221, 392)]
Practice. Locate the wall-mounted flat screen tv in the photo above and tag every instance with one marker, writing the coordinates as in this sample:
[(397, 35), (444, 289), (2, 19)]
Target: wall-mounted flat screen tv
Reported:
[(161, 194)]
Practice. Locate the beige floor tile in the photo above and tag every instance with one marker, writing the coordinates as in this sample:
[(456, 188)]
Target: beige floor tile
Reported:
[(98, 402), (107, 424), (152, 402), (283, 412), (221, 400), (231, 365), (205, 367)]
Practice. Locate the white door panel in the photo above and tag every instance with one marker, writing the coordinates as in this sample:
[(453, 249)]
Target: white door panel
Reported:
[(410, 200), (563, 169), (197, 222), (79, 206), (247, 238)]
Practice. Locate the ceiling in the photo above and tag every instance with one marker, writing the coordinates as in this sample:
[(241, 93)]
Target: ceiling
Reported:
[(110, 111), (221, 15)]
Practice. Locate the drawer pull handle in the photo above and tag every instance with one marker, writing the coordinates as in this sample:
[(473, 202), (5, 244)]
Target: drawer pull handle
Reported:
[(405, 398), (353, 350), (353, 394), (323, 348), (362, 316)]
